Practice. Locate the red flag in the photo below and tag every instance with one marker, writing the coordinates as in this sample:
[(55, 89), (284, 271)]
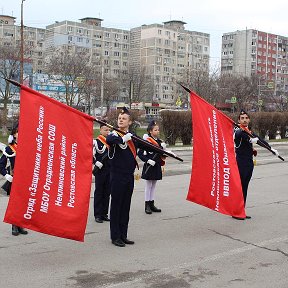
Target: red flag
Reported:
[(215, 181), (52, 176)]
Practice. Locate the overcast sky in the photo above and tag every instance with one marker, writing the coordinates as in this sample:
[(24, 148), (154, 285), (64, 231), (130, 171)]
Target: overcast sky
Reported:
[(208, 16)]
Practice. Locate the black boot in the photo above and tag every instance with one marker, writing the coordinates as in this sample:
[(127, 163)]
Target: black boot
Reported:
[(22, 231), (15, 231), (147, 207), (153, 207)]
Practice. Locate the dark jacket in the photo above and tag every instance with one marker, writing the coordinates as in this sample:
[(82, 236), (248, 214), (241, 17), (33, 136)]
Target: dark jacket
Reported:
[(101, 155), (4, 168), (151, 172)]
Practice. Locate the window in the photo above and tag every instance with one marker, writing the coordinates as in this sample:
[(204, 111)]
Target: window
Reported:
[(107, 35), (159, 32), (117, 54)]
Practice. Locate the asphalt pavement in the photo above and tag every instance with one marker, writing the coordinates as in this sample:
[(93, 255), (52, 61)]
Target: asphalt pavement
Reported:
[(186, 245)]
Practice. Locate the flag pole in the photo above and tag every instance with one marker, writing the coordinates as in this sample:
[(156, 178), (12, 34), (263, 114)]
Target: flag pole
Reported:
[(136, 138), (13, 82), (143, 142), (260, 142)]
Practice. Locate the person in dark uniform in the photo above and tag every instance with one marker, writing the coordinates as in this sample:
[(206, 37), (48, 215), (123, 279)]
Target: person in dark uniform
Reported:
[(244, 153), (152, 169), (122, 155), (101, 172), (7, 162)]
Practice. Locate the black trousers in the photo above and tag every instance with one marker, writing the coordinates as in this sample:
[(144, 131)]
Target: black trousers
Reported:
[(102, 194), (246, 168), (122, 186)]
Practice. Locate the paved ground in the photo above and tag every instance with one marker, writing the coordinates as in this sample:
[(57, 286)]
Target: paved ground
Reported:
[(184, 246)]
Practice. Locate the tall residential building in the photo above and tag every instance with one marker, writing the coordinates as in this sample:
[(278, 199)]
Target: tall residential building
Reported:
[(165, 52), (109, 47), (10, 34), (249, 52), (162, 53)]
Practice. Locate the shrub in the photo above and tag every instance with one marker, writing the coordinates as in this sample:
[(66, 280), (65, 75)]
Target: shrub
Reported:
[(177, 124)]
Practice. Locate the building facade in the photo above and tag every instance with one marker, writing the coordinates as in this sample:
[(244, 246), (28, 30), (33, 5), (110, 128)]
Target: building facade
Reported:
[(157, 55), (34, 41), (109, 47), (252, 52), (165, 52)]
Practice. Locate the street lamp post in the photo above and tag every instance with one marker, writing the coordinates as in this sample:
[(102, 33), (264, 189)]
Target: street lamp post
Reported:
[(102, 87), (131, 88), (22, 45)]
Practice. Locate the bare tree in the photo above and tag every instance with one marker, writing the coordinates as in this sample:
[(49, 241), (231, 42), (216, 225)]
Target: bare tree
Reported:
[(9, 69), (72, 67), (242, 87), (203, 82), (143, 85)]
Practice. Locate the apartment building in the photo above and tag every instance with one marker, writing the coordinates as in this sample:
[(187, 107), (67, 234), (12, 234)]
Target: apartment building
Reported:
[(165, 52), (250, 52), (34, 39), (109, 47)]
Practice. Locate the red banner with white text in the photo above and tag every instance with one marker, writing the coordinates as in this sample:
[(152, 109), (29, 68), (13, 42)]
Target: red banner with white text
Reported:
[(52, 176), (215, 181)]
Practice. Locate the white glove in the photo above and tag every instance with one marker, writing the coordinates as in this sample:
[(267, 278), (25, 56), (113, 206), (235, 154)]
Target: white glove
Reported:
[(127, 137), (164, 145), (8, 177), (275, 151), (145, 136), (151, 162), (99, 164), (253, 140)]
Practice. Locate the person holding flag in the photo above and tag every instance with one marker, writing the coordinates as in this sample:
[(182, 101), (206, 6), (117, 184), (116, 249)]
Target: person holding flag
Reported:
[(244, 153), (101, 172), (152, 169), (7, 163), (122, 155)]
